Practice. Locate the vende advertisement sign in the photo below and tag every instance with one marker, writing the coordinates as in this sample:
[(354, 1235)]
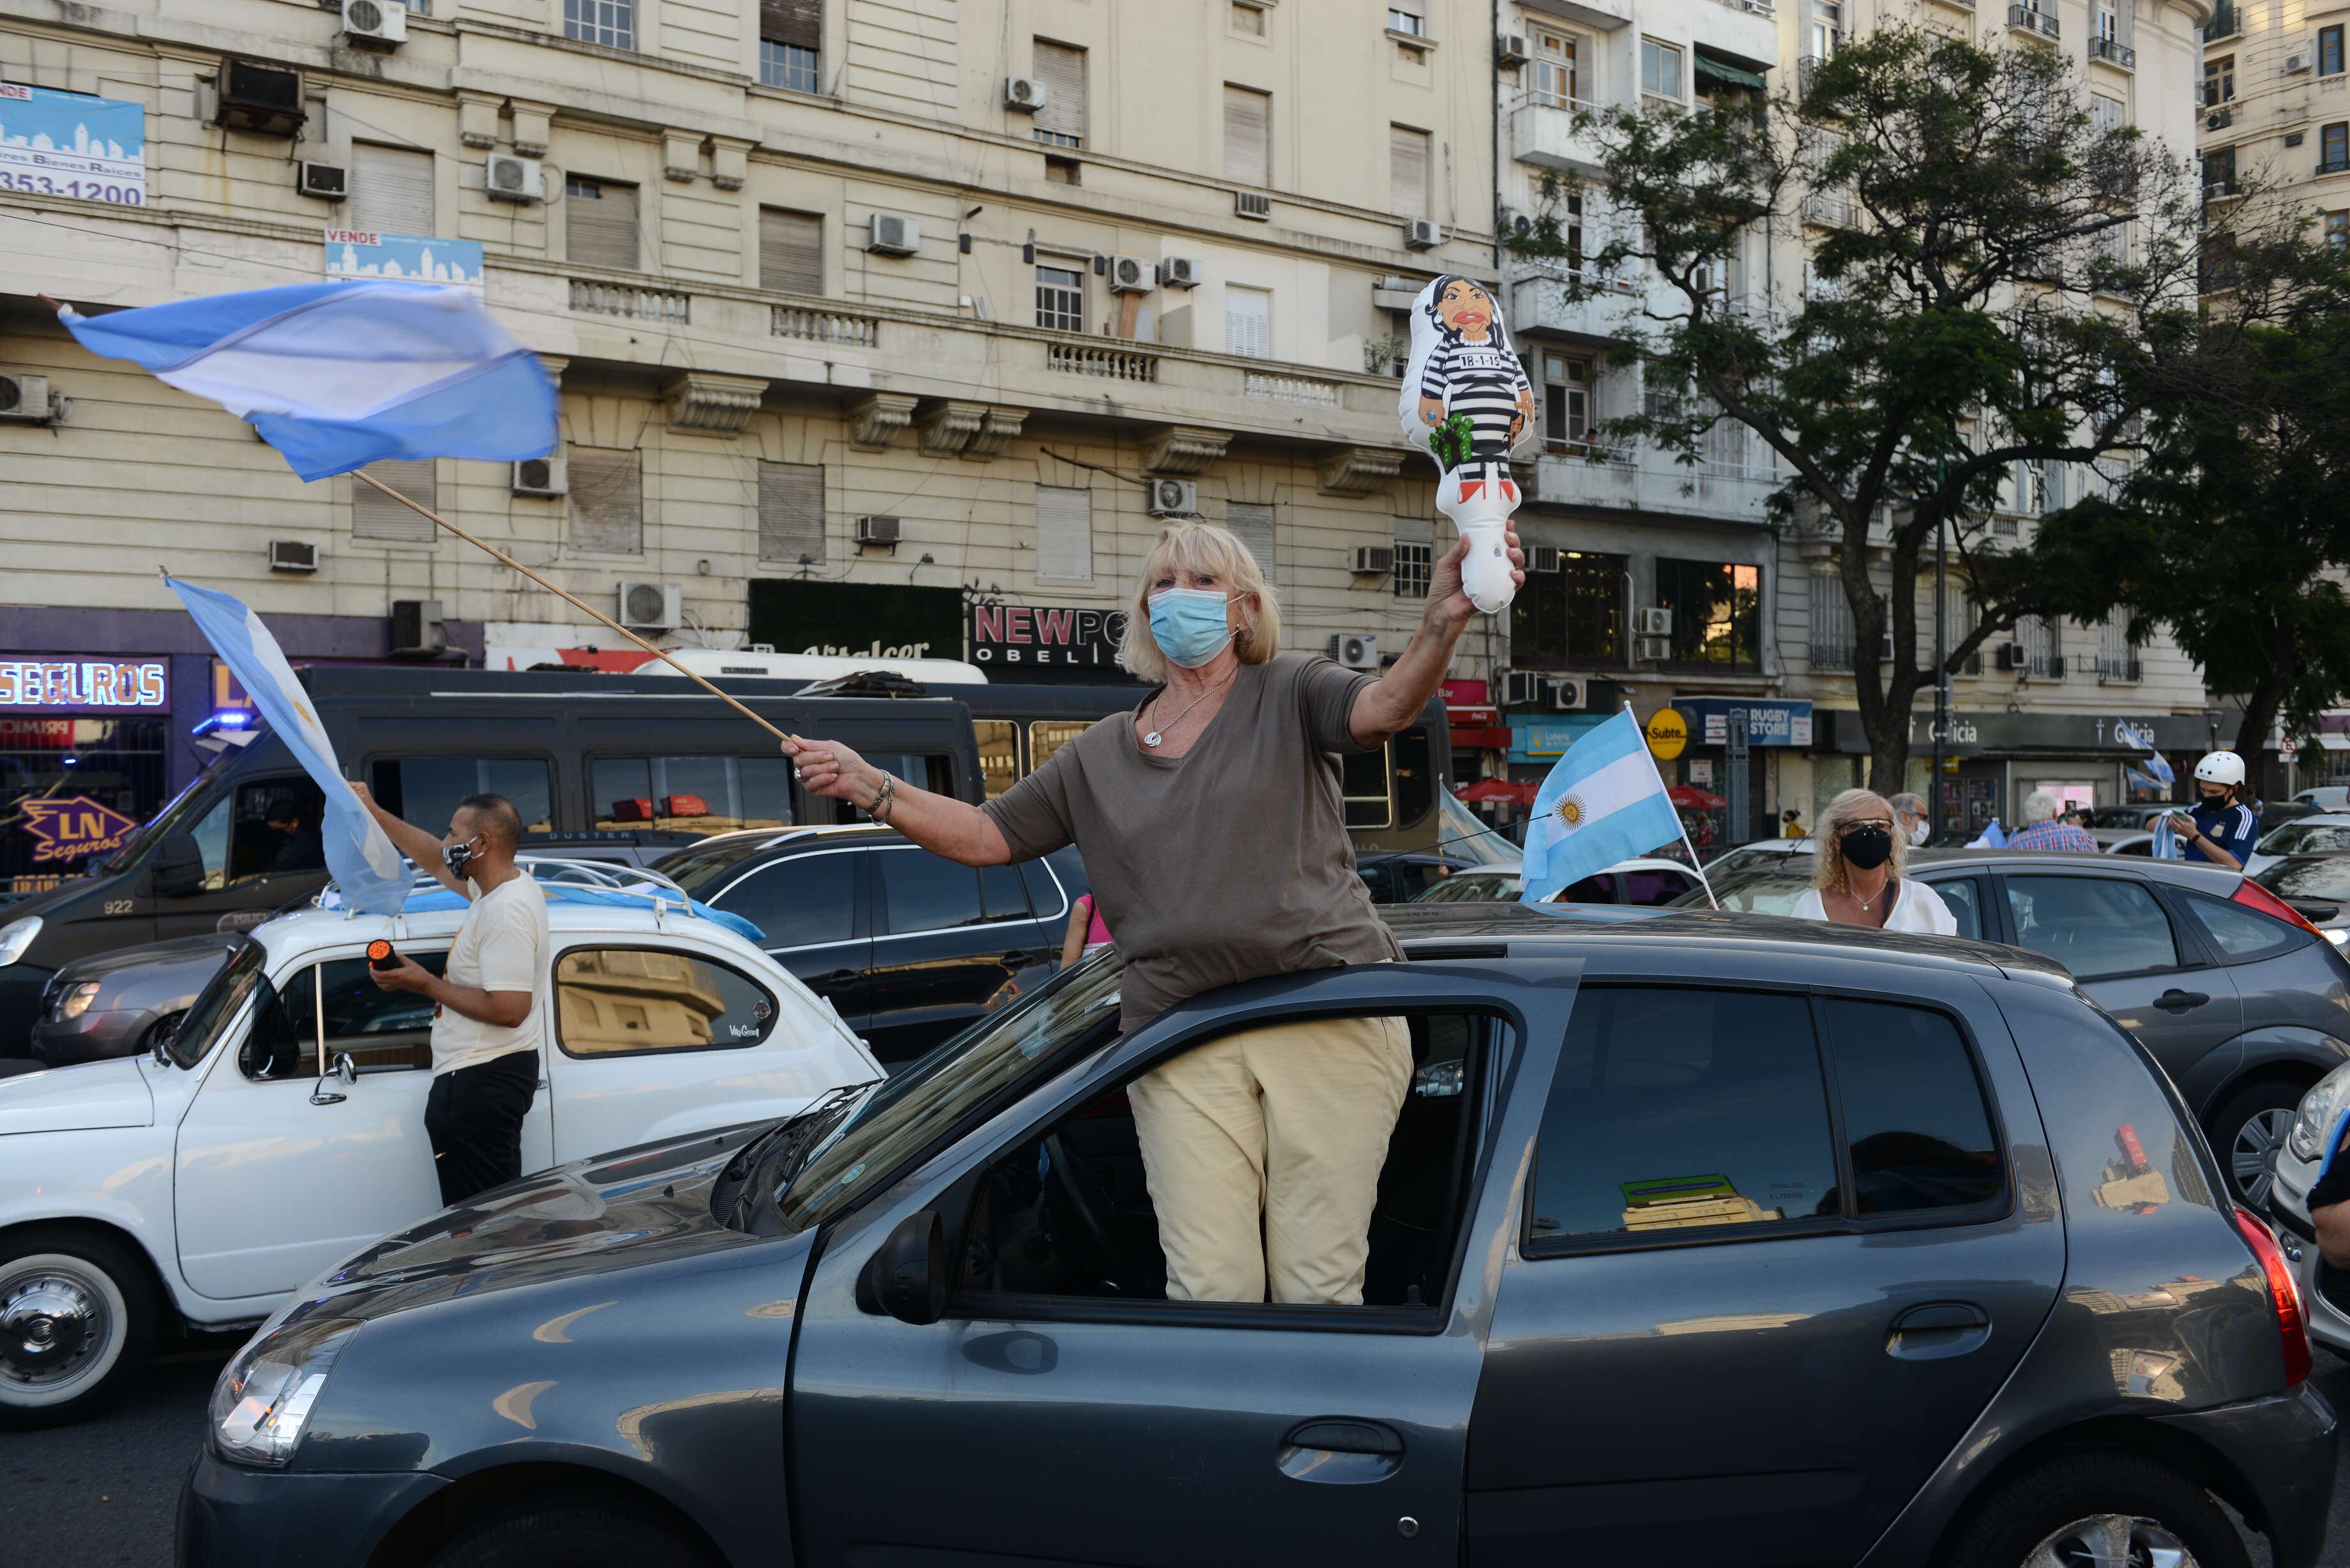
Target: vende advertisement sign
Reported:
[(360, 255), (1030, 636), (59, 683), (70, 144)]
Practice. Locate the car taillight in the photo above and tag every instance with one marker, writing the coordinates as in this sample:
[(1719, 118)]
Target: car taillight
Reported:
[(2284, 1295), (2252, 896)]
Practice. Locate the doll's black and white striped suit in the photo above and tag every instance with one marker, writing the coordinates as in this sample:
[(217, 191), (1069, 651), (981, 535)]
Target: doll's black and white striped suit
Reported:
[(1482, 380)]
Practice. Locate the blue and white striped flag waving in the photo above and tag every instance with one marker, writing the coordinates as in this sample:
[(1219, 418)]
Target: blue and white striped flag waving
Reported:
[(1603, 802), (340, 375), (373, 878)]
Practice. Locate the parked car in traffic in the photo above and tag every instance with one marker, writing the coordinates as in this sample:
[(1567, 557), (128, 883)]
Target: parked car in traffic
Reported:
[(2325, 797), (1910, 1221), (2298, 1163), (1760, 852), (906, 946), (1642, 881), (2239, 997), (281, 1125), (1400, 877), (2326, 833), (2318, 888)]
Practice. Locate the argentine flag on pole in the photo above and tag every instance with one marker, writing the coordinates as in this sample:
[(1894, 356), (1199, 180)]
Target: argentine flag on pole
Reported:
[(1603, 802), (340, 375), (366, 868)]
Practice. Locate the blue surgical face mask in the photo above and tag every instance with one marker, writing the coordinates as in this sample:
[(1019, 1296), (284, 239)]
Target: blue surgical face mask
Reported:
[(1190, 624)]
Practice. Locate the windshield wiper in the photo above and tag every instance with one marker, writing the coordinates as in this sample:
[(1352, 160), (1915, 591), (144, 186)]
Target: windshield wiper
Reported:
[(791, 1137)]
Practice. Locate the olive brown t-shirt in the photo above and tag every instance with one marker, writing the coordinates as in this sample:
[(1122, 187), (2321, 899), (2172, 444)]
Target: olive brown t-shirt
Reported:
[(1228, 863)]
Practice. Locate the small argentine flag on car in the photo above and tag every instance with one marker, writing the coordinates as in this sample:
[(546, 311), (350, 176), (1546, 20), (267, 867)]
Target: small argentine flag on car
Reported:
[(1603, 802)]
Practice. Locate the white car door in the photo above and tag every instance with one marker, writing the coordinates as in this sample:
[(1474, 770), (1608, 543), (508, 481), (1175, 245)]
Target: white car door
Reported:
[(658, 1035), (280, 1173)]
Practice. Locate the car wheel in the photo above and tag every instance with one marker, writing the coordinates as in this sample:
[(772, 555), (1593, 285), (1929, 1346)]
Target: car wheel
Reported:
[(2099, 1508), (78, 1317), (578, 1529), (2248, 1131)]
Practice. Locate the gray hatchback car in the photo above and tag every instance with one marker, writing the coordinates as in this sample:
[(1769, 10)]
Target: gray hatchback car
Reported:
[(1702, 1238)]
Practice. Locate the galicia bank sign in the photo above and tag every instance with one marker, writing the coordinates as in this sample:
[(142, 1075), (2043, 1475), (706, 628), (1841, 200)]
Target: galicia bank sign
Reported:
[(85, 685)]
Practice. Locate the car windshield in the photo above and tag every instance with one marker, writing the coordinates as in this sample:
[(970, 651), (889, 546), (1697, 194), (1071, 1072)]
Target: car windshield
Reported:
[(216, 1005), (2118, 816), (2307, 838), (695, 870), (183, 809), (904, 1113), (2324, 878), (1765, 891)]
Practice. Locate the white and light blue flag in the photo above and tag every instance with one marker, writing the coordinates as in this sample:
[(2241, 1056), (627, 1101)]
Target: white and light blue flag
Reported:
[(2152, 761), (340, 375), (1603, 802), (373, 877)]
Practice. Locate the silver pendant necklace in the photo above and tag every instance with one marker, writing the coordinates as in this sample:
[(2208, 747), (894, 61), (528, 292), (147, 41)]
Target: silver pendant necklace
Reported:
[(1153, 738)]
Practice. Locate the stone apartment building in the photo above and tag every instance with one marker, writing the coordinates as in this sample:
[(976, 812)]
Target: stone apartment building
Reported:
[(2275, 100)]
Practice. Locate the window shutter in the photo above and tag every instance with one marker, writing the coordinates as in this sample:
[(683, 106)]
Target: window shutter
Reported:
[(391, 190), (600, 223), (1830, 639), (1251, 523), (2055, 485), (797, 22), (1065, 535), (791, 251), (607, 501), (1248, 322), (1062, 69), (1248, 136), (375, 515), (1407, 171), (791, 512)]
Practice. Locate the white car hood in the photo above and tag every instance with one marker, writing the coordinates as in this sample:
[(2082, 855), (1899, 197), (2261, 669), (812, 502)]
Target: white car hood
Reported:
[(111, 1094)]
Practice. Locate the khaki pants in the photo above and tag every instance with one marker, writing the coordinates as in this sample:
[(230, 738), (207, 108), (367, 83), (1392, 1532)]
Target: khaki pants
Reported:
[(1287, 1126)]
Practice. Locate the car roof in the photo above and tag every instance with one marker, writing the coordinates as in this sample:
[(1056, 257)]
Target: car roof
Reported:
[(2178, 873), (306, 930)]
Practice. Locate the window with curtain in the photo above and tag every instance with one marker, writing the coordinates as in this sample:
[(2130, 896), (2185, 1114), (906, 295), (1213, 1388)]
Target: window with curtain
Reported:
[(375, 515), (1065, 535), (1248, 321), (790, 512), (612, 22), (1060, 297), (1248, 136), (600, 222), (791, 251), (1830, 641), (1717, 612), (1415, 556), (791, 43), (1062, 121), (1251, 523), (608, 501), (391, 190), (1407, 171)]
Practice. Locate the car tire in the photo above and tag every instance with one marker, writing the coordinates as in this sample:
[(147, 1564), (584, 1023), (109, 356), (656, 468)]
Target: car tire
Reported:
[(2097, 1500), (2247, 1131), (79, 1313), (577, 1529)]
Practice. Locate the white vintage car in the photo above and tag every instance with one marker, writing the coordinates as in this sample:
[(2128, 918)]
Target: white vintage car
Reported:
[(282, 1128)]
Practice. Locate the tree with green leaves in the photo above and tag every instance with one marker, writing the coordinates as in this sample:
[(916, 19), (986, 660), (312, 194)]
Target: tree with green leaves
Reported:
[(1992, 280)]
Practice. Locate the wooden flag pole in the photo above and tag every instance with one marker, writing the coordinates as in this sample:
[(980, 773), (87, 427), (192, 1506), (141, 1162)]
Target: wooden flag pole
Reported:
[(504, 559)]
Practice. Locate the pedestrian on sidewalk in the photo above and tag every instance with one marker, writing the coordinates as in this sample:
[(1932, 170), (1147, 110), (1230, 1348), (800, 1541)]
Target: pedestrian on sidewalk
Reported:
[(1212, 830), (1857, 880), (1913, 819), (2221, 829), (1088, 933), (485, 1015), (2043, 828)]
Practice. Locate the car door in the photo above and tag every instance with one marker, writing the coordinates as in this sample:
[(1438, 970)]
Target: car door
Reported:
[(945, 937), (810, 909), (1966, 896), (278, 1172), (1157, 1434), (261, 850), (2116, 939), (1773, 1265)]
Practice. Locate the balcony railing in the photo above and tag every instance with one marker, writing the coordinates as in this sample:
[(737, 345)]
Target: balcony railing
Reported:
[(823, 326), (1114, 364), (2334, 165), (1831, 655), (1280, 388), (2113, 51), (2118, 668), (1828, 209), (2032, 19), (631, 301)]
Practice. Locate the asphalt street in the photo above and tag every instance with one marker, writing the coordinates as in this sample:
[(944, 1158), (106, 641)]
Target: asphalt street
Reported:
[(100, 1495)]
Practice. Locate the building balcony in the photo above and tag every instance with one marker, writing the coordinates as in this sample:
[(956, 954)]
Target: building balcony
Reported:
[(2032, 19), (1607, 16), (1539, 306), (1544, 134), (2113, 52), (1573, 473)]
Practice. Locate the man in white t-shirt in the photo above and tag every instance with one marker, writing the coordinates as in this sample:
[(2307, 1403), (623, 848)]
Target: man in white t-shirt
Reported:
[(486, 1020)]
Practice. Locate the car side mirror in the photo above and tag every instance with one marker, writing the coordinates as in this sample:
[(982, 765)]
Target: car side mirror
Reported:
[(178, 867), (906, 1278)]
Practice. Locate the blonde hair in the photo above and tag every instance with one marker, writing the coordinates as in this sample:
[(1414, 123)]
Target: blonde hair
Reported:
[(1192, 545), (1827, 854)]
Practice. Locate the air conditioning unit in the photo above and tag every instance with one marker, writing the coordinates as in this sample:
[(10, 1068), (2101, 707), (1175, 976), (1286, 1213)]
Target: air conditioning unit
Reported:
[(893, 234), (293, 555), (2297, 61), (1373, 561), (1178, 272), (1654, 649), (2007, 656), (1524, 689), (506, 178), (879, 531), (541, 476), (1566, 696), (416, 627), (1171, 497), (1422, 233), (1131, 275), (649, 607), (1251, 205), (259, 98), (1543, 558), (1356, 649), (1653, 620), (1757, 7), (381, 23), (1510, 49), (1023, 95), (324, 181), (2219, 119), (1516, 226), (27, 400)]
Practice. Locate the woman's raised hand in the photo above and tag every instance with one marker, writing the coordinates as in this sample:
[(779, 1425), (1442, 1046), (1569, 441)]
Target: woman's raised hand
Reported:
[(830, 768)]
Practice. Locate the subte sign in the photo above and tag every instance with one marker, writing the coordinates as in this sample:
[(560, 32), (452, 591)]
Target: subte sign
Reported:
[(1030, 637), (1667, 733)]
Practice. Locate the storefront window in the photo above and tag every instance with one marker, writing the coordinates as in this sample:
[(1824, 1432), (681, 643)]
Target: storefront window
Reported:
[(72, 790), (1717, 613), (1571, 617)]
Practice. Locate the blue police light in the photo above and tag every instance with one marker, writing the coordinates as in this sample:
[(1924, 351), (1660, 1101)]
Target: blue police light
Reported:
[(228, 727)]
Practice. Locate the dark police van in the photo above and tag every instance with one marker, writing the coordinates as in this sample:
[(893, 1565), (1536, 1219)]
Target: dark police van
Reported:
[(593, 763)]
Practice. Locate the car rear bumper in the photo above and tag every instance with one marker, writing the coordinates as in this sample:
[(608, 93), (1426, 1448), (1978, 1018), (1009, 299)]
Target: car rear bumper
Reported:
[(231, 1517), (2282, 1446)]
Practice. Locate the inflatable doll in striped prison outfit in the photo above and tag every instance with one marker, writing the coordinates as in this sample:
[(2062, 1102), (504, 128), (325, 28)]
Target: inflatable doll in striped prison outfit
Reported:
[(1466, 400)]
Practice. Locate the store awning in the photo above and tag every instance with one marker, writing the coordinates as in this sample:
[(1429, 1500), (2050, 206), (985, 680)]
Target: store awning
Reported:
[(1501, 791), (1728, 75), (1694, 799)]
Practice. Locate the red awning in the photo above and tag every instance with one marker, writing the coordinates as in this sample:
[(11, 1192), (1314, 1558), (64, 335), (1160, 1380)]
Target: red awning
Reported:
[(1501, 790), (1694, 798)]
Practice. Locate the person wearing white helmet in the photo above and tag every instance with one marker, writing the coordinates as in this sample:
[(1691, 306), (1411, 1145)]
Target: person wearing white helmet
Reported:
[(2221, 829)]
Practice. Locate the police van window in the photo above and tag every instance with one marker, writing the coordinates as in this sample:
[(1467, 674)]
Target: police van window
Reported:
[(1046, 737), (1364, 781), (275, 828), (924, 769), (627, 1002), (425, 791), (1415, 776), (382, 1031), (804, 902), (999, 754), (691, 795)]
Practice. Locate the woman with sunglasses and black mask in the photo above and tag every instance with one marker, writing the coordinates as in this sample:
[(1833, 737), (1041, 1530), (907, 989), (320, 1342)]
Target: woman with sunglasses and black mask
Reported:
[(1857, 878)]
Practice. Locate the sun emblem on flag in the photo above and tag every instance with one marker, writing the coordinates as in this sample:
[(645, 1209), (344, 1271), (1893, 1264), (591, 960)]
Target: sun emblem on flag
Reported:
[(1570, 812)]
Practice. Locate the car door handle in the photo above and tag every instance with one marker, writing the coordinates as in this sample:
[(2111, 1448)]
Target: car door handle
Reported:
[(1340, 1451), (1938, 1329), (2176, 1001), (1018, 960), (837, 977)]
